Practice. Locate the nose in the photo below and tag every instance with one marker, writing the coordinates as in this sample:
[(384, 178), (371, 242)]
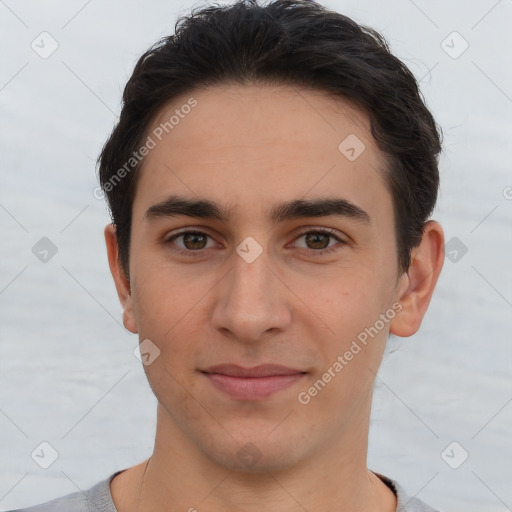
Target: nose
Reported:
[(251, 300)]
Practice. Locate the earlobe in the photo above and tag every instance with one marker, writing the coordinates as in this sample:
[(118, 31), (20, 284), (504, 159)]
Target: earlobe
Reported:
[(415, 289), (121, 282)]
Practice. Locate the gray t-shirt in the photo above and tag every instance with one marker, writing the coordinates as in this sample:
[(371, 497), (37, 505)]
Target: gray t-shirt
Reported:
[(99, 499)]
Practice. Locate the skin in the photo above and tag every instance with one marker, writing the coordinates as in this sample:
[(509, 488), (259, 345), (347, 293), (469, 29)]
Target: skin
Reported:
[(249, 148)]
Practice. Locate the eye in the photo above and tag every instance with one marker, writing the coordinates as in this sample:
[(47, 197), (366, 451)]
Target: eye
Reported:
[(318, 241), (191, 242)]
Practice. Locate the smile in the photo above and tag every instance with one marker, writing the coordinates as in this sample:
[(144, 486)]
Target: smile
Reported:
[(255, 383)]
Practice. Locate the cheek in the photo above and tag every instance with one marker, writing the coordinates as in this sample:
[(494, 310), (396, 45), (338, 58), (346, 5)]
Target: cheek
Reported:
[(168, 314), (167, 307), (352, 347), (346, 302), (351, 353)]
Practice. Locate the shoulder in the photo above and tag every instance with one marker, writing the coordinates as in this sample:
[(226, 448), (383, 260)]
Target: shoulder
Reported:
[(405, 503), (99, 499), (95, 499)]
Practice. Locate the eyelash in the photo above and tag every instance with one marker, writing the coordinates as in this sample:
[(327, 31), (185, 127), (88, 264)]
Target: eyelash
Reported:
[(199, 252)]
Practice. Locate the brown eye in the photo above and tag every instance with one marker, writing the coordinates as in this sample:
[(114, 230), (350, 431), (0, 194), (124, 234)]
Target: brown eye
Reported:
[(190, 243), (194, 241), (317, 240), (320, 241)]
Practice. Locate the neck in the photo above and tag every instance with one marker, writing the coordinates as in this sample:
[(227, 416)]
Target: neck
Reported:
[(335, 478)]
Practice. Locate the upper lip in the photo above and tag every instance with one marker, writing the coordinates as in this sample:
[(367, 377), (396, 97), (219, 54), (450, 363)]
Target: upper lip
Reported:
[(262, 370)]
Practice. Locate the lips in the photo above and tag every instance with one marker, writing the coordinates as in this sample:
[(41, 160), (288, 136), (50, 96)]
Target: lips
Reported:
[(263, 370), (256, 383)]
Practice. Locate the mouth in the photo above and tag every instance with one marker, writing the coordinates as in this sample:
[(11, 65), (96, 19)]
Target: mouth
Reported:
[(256, 383)]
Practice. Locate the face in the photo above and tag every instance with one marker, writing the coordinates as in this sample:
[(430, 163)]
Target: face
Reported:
[(270, 305)]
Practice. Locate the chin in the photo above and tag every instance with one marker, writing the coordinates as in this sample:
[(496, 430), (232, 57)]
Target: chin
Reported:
[(255, 454)]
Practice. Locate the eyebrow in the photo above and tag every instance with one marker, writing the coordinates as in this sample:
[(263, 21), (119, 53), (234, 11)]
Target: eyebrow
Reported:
[(176, 205)]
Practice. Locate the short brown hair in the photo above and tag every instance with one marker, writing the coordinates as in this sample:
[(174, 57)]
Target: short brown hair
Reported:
[(296, 42)]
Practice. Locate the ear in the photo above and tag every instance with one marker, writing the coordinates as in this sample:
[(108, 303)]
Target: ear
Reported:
[(415, 288), (121, 281)]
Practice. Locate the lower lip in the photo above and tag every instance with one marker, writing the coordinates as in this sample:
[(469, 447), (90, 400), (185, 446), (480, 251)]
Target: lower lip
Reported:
[(252, 388)]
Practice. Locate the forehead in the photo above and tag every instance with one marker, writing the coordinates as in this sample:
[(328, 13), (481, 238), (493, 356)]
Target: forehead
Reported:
[(257, 143), (284, 115)]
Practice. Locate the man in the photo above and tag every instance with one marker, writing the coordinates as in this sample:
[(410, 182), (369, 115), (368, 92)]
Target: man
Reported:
[(270, 181)]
